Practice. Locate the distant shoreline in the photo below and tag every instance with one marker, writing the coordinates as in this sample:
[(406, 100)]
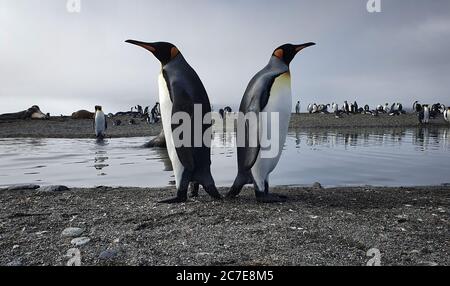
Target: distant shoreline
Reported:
[(66, 127)]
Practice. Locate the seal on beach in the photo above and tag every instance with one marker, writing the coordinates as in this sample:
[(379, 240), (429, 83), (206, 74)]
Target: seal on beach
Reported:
[(100, 123), (83, 114), (33, 112), (180, 88), (269, 91)]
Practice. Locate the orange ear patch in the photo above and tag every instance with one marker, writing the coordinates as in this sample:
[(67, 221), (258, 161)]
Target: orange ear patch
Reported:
[(174, 52), (279, 53)]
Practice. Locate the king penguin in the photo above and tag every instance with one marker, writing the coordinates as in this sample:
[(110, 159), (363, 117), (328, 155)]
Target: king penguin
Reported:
[(100, 123), (269, 92), (180, 88), (447, 115)]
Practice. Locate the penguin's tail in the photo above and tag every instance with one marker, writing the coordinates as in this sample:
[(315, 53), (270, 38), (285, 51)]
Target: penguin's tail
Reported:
[(240, 181)]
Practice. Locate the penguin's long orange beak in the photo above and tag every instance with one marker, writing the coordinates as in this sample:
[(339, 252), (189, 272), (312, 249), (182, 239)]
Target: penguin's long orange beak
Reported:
[(146, 46), (298, 48)]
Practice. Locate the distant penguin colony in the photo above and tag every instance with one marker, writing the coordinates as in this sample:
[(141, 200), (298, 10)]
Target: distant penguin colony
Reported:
[(268, 91), (179, 89)]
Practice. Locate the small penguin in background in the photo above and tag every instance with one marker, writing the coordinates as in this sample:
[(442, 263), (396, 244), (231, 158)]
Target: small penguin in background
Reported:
[(335, 108), (424, 115), (447, 115), (356, 107), (297, 107), (417, 107), (100, 123), (315, 108), (346, 107), (269, 91)]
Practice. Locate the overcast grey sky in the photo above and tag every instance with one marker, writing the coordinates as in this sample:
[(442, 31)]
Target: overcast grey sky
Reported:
[(68, 61)]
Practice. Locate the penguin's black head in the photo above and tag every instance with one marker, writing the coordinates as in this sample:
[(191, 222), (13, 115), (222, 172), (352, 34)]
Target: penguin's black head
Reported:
[(163, 51), (287, 52)]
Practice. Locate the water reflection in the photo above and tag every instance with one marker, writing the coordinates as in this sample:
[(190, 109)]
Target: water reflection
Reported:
[(101, 156), (425, 138), (163, 156), (334, 157)]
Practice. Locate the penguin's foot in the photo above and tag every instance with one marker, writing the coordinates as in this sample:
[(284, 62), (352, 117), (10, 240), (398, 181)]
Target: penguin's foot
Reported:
[(176, 200), (231, 195), (212, 191), (270, 198), (194, 190)]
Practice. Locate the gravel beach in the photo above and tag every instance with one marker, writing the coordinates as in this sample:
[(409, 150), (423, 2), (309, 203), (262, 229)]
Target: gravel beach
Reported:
[(126, 226)]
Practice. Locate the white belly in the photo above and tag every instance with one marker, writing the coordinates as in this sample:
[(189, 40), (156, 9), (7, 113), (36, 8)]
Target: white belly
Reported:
[(280, 101), (426, 114), (99, 123), (166, 116)]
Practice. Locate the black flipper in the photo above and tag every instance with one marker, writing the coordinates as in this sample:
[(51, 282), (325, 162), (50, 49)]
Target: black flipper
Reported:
[(182, 103)]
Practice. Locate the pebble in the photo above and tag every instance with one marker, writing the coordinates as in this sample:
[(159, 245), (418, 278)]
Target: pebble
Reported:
[(428, 263), (402, 218), (15, 263), (108, 254), (80, 241), (23, 187), (53, 189), (72, 232)]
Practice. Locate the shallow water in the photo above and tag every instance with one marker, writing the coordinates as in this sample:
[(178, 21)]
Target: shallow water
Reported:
[(379, 157)]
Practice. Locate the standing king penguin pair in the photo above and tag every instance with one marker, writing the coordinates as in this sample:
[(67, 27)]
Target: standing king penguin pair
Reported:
[(180, 88)]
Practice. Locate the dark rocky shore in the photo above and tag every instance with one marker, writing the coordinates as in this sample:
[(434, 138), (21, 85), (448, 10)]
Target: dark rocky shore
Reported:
[(65, 127), (315, 227)]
